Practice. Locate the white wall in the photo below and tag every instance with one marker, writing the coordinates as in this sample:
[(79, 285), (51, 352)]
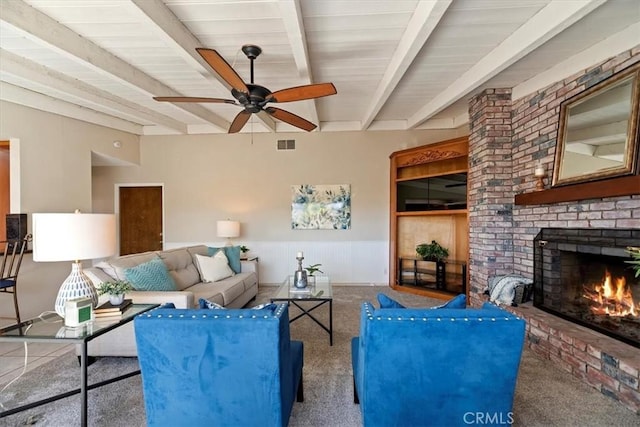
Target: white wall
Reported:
[(211, 177)]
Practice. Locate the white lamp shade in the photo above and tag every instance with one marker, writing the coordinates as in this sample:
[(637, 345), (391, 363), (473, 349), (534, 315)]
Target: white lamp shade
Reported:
[(73, 236), (228, 228)]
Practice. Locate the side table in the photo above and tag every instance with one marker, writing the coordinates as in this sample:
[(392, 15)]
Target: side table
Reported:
[(50, 328)]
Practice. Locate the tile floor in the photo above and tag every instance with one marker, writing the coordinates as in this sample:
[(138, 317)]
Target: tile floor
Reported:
[(12, 357)]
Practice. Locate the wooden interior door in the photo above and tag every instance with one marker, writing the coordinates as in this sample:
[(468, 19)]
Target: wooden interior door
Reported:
[(140, 219)]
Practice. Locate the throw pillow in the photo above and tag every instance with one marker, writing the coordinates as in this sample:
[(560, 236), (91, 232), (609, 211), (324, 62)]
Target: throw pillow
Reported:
[(206, 304), (214, 268), (386, 302), (459, 301), (150, 276), (233, 255)]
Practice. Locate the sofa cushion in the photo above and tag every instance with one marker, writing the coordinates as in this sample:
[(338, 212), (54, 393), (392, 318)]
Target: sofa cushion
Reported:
[(233, 255), (150, 276), (181, 267), (214, 268), (229, 288)]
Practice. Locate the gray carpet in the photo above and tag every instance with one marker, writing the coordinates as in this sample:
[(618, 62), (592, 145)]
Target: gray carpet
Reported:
[(545, 395)]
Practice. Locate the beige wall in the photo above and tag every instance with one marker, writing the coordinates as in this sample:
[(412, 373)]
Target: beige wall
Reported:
[(51, 172), (205, 178), (211, 177)]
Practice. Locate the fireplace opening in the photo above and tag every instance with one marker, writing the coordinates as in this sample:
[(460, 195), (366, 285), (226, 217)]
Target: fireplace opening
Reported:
[(582, 275)]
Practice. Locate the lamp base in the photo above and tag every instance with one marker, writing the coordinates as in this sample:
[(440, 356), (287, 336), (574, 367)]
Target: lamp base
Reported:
[(77, 285)]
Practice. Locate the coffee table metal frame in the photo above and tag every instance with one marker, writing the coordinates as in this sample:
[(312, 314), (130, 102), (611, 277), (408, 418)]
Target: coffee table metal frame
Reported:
[(320, 292), (50, 328)]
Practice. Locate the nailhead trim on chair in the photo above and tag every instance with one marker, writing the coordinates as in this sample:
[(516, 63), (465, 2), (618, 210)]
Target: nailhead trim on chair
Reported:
[(206, 316), (369, 313), (278, 311)]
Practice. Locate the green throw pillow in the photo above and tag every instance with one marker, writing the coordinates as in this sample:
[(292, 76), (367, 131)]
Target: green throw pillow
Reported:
[(150, 276), (233, 255)]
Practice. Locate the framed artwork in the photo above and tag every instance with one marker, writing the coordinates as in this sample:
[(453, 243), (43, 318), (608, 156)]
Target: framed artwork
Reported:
[(321, 207)]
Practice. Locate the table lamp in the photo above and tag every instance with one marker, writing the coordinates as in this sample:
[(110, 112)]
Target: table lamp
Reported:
[(73, 237), (228, 229)]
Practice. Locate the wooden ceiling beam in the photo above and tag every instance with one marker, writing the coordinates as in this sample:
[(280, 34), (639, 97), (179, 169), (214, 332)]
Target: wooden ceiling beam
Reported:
[(184, 43), (292, 17), (98, 99), (42, 29), (38, 101), (424, 20), (554, 18)]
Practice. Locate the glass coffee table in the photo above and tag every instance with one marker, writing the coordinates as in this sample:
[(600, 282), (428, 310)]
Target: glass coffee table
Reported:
[(319, 292), (50, 328)]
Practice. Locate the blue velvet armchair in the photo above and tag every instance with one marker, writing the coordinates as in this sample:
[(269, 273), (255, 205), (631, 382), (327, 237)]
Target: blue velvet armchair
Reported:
[(432, 367), (234, 367)]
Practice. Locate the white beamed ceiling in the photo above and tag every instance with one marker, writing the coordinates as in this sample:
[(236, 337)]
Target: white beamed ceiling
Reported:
[(397, 64)]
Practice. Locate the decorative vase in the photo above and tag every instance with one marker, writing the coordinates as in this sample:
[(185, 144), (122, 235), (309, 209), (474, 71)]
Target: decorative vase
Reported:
[(116, 299)]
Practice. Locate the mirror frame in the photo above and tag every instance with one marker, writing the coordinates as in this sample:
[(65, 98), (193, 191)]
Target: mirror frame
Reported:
[(630, 161)]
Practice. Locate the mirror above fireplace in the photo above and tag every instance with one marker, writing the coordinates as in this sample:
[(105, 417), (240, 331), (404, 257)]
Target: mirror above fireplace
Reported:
[(598, 131)]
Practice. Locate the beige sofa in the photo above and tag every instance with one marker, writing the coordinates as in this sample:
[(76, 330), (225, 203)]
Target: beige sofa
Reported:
[(235, 291)]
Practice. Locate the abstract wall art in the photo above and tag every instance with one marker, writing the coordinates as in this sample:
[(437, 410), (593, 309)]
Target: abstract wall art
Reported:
[(321, 207)]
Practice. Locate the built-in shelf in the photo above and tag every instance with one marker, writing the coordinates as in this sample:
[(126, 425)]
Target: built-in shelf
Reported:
[(434, 213), (613, 187)]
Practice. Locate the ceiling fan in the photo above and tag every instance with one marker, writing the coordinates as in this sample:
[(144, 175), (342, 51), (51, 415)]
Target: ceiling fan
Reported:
[(252, 97)]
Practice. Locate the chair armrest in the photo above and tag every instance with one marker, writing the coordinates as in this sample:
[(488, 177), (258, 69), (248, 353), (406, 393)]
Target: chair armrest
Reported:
[(181, 299)]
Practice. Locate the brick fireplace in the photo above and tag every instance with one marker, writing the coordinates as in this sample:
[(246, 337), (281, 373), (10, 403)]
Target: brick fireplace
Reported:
[(508, 138)]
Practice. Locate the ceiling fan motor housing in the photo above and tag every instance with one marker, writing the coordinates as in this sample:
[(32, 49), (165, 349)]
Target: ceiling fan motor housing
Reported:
[(256, 99)]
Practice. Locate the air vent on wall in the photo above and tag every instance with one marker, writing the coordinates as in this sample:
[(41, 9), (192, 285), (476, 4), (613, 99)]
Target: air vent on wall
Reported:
[(286, 144)]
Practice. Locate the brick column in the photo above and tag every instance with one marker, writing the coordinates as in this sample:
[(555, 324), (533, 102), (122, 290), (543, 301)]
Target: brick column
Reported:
[(490, 189)]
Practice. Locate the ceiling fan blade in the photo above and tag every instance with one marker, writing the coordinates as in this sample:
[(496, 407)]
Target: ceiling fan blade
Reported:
[(290, 118), (222, 67), (239, 122), (300, 93), (193, 99)]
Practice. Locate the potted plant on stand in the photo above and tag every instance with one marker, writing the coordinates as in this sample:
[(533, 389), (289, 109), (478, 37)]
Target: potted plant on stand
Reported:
[(311, 270), (432, 251), (116, 290)]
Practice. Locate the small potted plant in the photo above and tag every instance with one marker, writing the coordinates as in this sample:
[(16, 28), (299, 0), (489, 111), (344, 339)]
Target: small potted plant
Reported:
[(432, 251), (116, 290), (311, 270), (244, 250)]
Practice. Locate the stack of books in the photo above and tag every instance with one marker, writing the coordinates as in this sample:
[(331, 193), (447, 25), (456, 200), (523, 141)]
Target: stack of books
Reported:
[(108, 311)]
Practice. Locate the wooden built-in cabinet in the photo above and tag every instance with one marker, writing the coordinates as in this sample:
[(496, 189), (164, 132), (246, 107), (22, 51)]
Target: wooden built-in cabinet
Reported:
[(429, 202)]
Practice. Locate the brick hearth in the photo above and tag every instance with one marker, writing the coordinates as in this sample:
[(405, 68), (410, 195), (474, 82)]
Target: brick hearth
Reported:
[(508, 139), (608, 365)]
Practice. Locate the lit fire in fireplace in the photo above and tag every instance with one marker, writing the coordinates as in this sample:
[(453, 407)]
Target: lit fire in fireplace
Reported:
[(612, 297)]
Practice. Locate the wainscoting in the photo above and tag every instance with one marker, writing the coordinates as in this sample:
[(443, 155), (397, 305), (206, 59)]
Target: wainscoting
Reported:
[(353, 262)]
